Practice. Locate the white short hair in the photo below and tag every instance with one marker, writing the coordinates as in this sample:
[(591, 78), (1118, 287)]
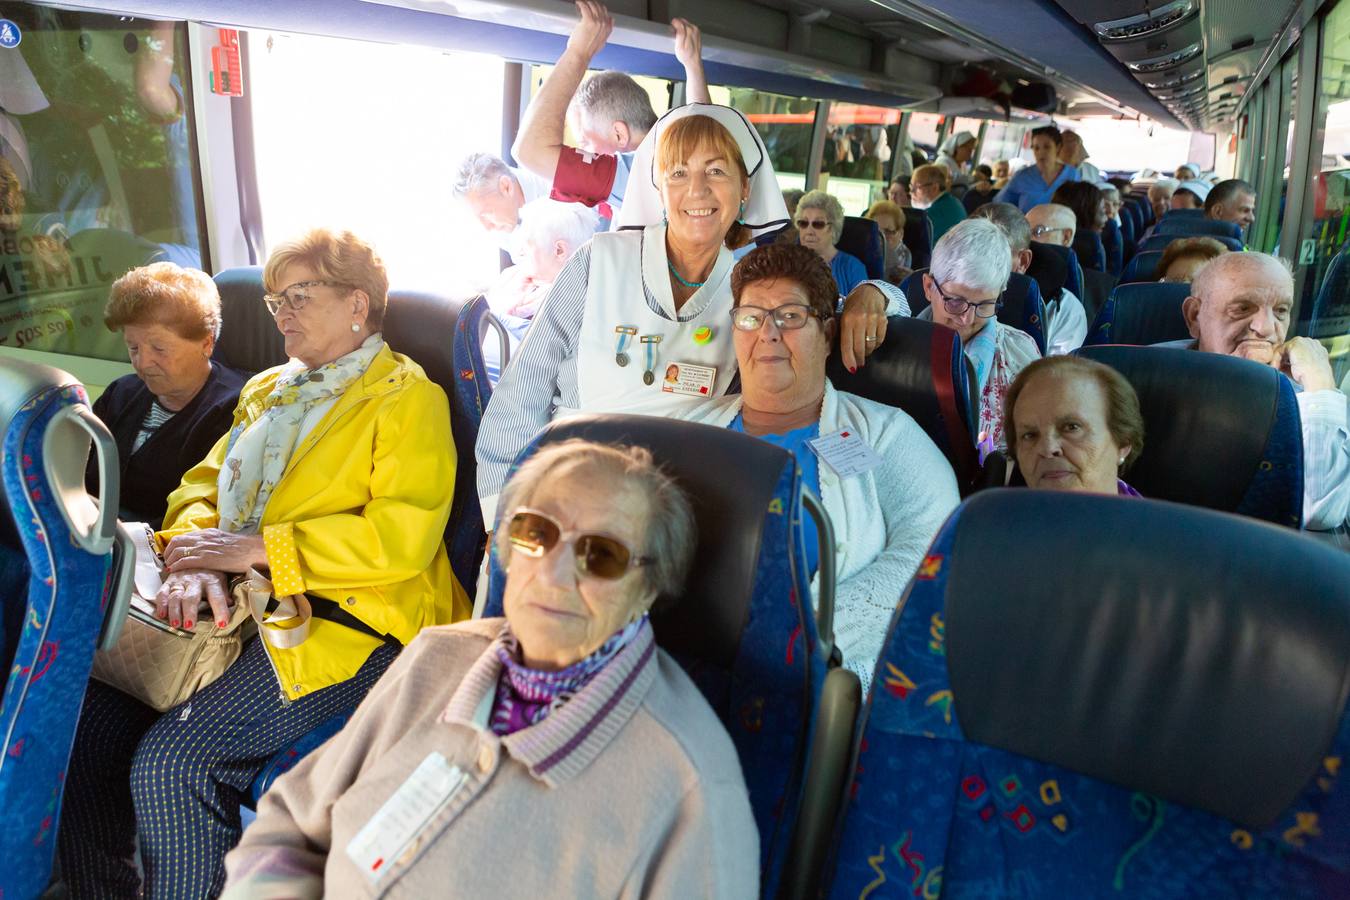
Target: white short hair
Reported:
[(1164, 184), (544, 221), (1239, 266), (974, 253), (477, 173)]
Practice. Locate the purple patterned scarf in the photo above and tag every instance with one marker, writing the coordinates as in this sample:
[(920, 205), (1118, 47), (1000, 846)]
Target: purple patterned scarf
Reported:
[(526, 696), (1125, 490)]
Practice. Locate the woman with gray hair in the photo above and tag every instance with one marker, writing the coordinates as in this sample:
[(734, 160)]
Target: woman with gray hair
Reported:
[(820, 223), (562, 725), (964, 283)]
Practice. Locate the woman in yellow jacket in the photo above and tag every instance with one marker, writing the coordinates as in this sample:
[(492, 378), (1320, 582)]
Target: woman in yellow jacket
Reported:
[(336, 480)]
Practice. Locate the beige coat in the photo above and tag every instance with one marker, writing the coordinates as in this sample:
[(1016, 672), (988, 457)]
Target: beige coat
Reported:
[(630, 789)]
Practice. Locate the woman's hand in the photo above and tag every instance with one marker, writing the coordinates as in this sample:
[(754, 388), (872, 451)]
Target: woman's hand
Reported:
[(219, 551), (180, 597), (688, 43), (862, 327)]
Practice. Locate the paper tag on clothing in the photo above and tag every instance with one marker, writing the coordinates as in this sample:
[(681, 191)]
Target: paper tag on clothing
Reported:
[(689, 379), (386, 837), (845, 452)]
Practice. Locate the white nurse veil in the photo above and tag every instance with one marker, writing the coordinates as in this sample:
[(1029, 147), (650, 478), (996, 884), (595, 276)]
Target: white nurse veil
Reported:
[(765, 210)]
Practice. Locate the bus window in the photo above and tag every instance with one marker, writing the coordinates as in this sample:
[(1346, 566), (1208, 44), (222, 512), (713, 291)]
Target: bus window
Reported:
[(1002, 140), (923, 132), (367, 152), (858, 152), (1327, 213), (785, 124), (95, 171)]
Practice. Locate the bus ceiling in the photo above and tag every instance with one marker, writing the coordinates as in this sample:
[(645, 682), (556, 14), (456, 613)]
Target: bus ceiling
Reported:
[(1166, 61)]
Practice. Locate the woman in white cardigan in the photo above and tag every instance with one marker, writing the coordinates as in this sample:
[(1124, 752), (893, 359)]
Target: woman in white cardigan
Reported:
[(884, 516)]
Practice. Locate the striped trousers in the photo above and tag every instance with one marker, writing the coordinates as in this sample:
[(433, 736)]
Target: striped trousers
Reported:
[(174, 782)]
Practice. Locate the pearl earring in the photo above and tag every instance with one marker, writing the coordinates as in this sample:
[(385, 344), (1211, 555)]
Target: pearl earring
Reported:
[(355, 327)]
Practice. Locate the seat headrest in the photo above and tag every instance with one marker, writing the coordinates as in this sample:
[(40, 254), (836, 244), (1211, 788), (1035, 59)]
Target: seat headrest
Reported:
[(249, 340), (1090, 250), (1143, 266), (22, 382), (863, 238), (421, 325), (921, 369), (918, 237), (1179, 662), (1049, 269), (1145, 312), (1215, 427), (1160, 239), (1022, 307), (1073, 278), (730, 480)]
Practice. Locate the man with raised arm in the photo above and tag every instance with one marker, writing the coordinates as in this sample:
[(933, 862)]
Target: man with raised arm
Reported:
[(1240, 305), (612, 114)]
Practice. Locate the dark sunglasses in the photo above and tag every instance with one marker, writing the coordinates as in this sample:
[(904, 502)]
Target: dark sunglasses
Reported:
[(806, 223), (535, 534)]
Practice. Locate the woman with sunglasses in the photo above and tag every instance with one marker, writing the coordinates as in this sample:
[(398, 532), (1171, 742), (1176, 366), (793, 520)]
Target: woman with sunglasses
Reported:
[(885, 517), (820, 224), (336, 480), (969, 271), (556, 752)]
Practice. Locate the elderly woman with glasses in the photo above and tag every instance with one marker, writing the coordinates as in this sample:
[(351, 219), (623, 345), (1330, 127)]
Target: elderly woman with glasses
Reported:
[(968, 274), (883, 517), (556, 752), (336, 480), (820, 224), (931, 189), (890, 218)]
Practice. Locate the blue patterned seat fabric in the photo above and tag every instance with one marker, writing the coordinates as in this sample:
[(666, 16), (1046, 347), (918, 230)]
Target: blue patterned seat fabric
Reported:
[(741, 630), (52, 625), (934, 813)]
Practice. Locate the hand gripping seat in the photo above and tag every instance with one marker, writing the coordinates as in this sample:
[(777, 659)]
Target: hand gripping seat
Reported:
[(1162, 717), (60, 587), (863, 238), (921, 369), (444, 337), (741, 630), (1147, 312), (1160, 239), (1143, 267), (1020, 306), (1219, 431), (918, 237)]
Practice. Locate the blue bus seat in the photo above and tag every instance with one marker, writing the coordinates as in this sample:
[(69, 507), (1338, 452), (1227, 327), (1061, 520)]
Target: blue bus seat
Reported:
[(1143, 267), (1219, 431), (1160, 239), (1113, 242), (1146, 312), (1145, 208), (1333, 295), (1065, 259), (918, 237), (1176, 215), (1123, 726), (1131, 222), (863, 238), (740, 629), (1091, 253), (1199, 226), (1020, 306), (921, 369), (61, 586)]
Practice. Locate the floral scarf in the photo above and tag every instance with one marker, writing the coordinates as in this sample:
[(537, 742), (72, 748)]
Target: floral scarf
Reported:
[(257, 453), (526, 696)]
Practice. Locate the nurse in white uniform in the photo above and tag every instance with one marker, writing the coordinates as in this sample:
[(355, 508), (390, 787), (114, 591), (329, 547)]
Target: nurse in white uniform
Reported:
[(654, 293)]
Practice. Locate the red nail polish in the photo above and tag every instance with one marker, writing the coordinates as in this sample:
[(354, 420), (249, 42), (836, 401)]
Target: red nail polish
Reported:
[(853, 370), (222, 623), (187, 624), (173, 622)]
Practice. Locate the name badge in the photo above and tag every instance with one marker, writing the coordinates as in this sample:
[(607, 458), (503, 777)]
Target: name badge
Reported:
[(845, 452), (689, 379), (394, 827)]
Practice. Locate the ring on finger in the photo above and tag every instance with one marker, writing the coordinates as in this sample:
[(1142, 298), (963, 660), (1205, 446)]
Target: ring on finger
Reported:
[(871, 339)]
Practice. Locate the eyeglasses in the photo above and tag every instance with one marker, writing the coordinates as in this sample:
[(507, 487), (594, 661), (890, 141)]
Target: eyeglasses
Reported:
[(788, 317), (957, 306), (535, 534), (1040, 230), (295, 296), (924, 184), (890, 232), (803, 224)]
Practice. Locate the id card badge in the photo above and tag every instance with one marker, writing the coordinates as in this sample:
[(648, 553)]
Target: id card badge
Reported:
[(845, 452), (391, 831), (689, 379)]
